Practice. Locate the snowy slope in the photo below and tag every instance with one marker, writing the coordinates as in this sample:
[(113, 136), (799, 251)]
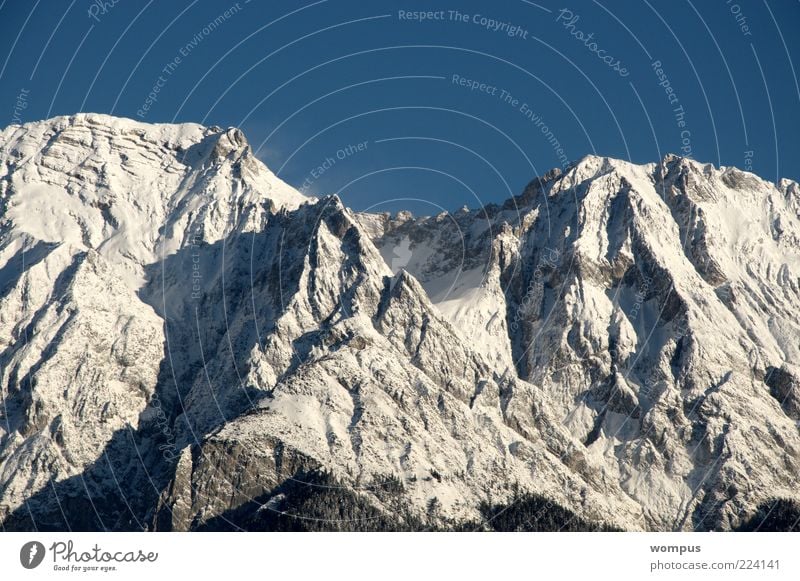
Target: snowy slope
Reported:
[(341, 364), (657, 307), (184, 337), (89, 203)]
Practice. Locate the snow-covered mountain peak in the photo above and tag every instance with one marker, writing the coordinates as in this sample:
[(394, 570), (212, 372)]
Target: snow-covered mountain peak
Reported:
[(129, 190), (621, 288), (188, 340)]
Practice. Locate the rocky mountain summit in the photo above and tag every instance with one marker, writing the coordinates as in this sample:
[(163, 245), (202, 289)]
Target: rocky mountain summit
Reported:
[(188, 343)]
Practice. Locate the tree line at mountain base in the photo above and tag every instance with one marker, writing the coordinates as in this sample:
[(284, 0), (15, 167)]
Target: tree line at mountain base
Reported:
[(316, 502), (779, 516)]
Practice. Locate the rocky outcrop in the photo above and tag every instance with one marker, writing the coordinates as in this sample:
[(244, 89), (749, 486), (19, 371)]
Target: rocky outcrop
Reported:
[(188, 343)]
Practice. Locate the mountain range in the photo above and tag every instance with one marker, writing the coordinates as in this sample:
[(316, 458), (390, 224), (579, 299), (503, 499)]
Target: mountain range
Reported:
[(189, 343)]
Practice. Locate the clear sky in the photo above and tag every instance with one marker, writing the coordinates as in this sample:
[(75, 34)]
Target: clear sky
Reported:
[(465, 106)]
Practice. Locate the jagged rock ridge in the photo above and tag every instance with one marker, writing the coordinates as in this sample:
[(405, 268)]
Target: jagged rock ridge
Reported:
[(184, 339)]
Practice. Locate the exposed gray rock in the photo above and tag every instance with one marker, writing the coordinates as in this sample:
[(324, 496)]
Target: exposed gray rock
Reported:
[(183, 337)]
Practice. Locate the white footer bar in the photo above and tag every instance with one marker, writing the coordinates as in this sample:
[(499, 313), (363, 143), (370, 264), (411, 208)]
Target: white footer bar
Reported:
[(379, 556)]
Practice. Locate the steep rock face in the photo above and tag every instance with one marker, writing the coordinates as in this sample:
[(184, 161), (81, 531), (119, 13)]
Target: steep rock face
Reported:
[(185, 341), (657, 307), (89, 203), (346, 368), (74, 372)]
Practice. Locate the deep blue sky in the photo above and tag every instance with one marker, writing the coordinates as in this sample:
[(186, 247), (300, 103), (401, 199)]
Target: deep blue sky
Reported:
[(306, 79)]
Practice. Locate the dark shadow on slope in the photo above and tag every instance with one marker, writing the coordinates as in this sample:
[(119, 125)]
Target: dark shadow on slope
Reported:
[(196, 310), (143, 458), (313, 502), (16, 267), (785, 388), (781, 516), (316, 502), (221, 301), (110, 495), (18, 402), (534, 513)]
